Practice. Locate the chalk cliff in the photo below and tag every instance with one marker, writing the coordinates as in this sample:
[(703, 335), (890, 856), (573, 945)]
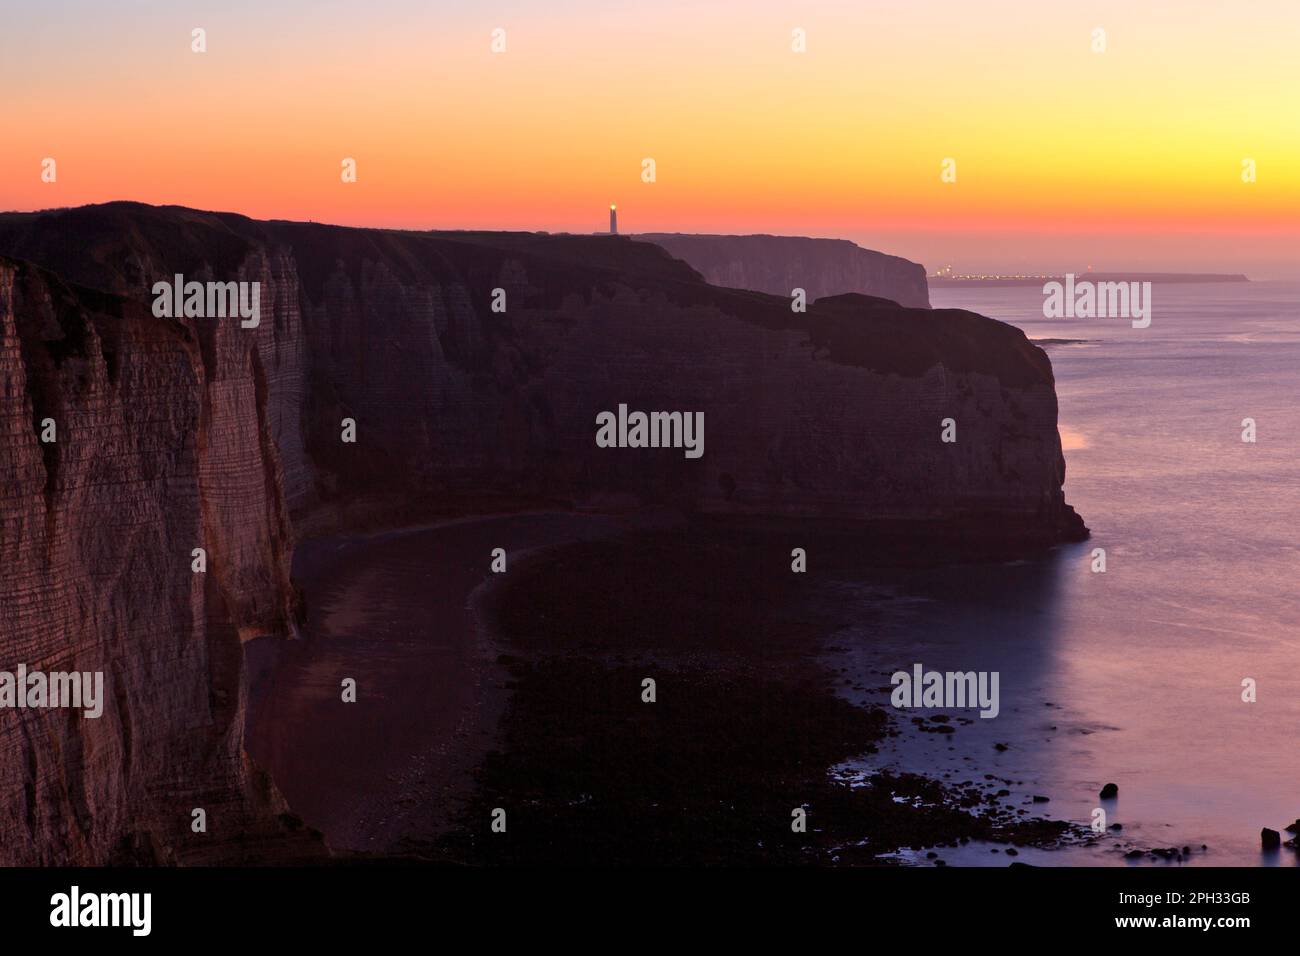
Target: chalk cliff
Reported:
[(779, 264), (175, 434), (161, 445)]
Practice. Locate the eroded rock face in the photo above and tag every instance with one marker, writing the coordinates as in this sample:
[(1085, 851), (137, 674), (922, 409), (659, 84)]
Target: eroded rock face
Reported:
[(183, 433), (152, 457), (779, 264)]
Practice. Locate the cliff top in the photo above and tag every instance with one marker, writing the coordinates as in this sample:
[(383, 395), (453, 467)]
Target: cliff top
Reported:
[(124, 247)]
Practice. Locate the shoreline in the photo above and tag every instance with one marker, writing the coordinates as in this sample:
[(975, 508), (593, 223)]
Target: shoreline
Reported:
[(747, 731), (588, 603), (390, 767)]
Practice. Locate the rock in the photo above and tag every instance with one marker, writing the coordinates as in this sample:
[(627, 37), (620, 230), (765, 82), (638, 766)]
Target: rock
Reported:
[(778, 264), (1270, 839), (199, 432), (1041, 799), (1110, 791)]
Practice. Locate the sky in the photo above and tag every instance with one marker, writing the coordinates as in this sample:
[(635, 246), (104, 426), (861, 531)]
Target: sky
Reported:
[(1064, 157)]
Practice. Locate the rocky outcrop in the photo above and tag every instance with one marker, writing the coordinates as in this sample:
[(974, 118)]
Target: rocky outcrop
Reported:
[(780, 264), (182, 433)]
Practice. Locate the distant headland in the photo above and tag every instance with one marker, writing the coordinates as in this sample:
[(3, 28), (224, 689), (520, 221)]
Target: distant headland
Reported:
[(945, 278)]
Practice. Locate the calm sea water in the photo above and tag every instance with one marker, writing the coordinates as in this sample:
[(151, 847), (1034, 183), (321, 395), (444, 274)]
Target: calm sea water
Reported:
[(1135, 676)]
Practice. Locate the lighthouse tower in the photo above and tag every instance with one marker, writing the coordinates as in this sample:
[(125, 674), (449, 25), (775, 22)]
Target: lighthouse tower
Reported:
[(613, 220)]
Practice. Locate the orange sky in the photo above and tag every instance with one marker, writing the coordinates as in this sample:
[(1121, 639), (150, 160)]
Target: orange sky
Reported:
[(1129, 158)]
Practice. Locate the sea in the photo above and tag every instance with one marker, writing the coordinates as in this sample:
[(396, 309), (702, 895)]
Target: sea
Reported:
[(1175, 672)]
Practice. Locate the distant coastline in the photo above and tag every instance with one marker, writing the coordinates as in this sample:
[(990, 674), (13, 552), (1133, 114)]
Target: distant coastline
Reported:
[(941, 281)]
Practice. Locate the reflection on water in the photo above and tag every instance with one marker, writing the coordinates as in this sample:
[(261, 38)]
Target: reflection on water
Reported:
[(1134, 676), (1072, 439)]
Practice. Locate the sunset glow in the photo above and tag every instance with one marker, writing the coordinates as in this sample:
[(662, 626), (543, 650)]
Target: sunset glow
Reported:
[(1130, 158)]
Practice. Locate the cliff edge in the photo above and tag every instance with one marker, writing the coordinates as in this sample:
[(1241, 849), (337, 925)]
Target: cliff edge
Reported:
[(183, 433)]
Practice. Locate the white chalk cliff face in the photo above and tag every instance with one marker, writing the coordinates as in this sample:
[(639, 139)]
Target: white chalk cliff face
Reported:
[(194, 432), (157, 452), (780, 264)]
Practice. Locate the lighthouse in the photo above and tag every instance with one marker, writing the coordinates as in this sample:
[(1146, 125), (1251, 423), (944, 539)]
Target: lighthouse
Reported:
[(613, 220)]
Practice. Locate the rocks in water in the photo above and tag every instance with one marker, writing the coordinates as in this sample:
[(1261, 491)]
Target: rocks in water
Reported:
[(1134, 855), (1117, 827), (1270, 839), (1110, 791), (1038, 798), (1000, 747)]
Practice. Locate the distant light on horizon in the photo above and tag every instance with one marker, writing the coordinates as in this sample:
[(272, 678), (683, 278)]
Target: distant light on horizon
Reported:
[(1157, 184)]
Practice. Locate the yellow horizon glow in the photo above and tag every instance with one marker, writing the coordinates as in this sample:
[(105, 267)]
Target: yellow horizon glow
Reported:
[(1049, 138)]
